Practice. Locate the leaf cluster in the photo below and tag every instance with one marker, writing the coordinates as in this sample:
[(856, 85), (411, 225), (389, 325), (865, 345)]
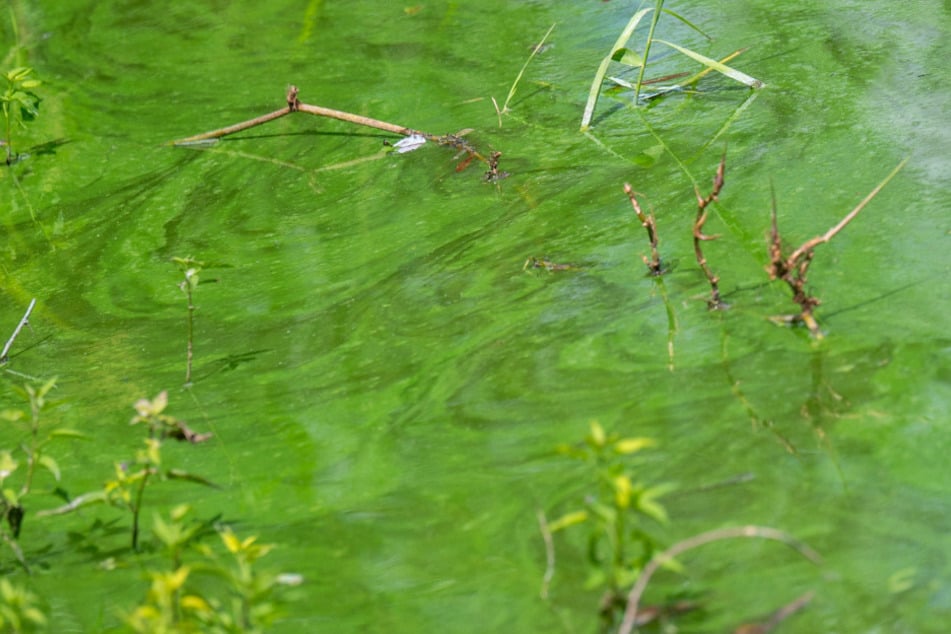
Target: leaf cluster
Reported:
[(17, 475), (18, 102), (214, 591), (615, 510)]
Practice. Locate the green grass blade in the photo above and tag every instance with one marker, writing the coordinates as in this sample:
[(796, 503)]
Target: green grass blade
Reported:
[(732, 73), (688, 23), (518, 78), (647, 50), (619, 45)]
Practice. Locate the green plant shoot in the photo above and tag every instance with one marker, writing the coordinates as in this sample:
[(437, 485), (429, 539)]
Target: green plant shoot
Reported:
[(614, 511), (19, 104)]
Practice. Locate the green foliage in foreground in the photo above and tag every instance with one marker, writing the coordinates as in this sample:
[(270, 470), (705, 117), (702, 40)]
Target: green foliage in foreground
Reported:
[(202, 589), (19, 104), (615, 512), (205, 592)]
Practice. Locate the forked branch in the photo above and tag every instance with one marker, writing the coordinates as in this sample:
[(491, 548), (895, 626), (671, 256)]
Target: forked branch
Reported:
[(794, 269), (295, 105)]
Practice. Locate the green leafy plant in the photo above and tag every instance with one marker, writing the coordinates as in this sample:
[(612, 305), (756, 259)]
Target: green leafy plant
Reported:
[(19, 104), (615, 513), (622, 555), (35, 451), (210, 592), (18, 610), (127, 489)]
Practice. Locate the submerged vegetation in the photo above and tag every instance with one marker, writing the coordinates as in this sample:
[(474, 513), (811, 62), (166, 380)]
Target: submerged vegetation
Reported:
[(200, 576)]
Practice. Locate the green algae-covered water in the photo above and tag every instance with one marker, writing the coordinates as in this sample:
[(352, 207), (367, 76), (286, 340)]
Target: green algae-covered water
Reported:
[(387, 384)]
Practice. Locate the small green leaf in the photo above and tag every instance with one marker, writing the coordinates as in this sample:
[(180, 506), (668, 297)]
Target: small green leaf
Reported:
[(597, 437), (178, 474), (622, 490), (628, 57), (12, 415), (66, 432), (632, 445), (7, 464), (50, 465), (732, 73), (80, 501), (569, 519), (648, 505)]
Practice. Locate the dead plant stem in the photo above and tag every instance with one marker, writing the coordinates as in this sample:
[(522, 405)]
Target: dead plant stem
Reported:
[(23, 322), (761, 532)]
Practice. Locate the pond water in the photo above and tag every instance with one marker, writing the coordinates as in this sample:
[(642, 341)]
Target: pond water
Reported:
[(385, 382)]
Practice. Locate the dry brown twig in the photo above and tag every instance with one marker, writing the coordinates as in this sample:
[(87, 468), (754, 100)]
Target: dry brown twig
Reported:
[(653, 264), (715, 302), (295, 105), (794, 269)]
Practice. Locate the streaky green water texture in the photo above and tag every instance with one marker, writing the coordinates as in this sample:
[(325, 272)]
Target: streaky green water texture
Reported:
[(387, 385)]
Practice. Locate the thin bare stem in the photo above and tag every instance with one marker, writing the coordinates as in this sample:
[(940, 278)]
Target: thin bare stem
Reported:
[(650, 225), (190, 352), (647, 50), (778, 616), (831, 233), (518, 78), (23, 322), (320, 111), (761, 532), (232, 129), (549, 554)]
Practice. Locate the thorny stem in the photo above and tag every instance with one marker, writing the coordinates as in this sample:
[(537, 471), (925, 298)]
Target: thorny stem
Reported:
[(650, 225), (715, 303)]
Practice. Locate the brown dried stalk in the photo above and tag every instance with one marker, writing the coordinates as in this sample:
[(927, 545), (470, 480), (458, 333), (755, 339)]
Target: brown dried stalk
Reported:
[(653, 264), (794, 269), (714, 303), (295, 105)]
